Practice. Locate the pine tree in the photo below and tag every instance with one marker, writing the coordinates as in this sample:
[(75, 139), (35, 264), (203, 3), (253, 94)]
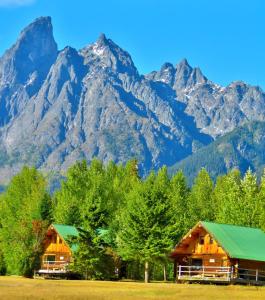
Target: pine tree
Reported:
[(143, 234)]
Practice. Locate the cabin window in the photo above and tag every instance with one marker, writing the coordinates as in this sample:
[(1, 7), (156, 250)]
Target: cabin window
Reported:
[(197, 264), (50, 259), (201, 240), (211, 240), (60, 241)]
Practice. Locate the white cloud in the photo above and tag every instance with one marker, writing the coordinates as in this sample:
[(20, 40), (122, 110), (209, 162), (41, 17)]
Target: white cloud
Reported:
[(8, 3)]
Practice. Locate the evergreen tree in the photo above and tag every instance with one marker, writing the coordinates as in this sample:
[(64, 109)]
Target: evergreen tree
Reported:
[(143, 234)]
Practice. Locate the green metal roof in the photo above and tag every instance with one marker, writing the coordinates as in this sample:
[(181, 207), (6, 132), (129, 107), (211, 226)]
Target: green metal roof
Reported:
[(239, 242), (66, 232)]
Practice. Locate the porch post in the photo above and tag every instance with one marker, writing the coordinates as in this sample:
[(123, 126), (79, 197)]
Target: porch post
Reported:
[(257, 274), (179, 271)]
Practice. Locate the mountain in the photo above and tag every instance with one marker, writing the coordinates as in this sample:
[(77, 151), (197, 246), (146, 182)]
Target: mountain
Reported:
[(59, 106), (216, 110), (241, 149)]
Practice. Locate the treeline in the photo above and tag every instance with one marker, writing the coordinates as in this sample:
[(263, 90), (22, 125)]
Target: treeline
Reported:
[(128, 225)]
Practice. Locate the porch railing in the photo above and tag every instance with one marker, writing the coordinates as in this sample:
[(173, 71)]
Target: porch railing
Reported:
[(226, 274), (251, 275), (54, 266), (204, 273)]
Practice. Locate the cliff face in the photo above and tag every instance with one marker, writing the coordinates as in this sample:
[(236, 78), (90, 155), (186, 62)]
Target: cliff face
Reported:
[(57, 107)]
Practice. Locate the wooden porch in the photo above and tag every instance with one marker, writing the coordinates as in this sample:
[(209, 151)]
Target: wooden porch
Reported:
[(220, 275), (54, 267)]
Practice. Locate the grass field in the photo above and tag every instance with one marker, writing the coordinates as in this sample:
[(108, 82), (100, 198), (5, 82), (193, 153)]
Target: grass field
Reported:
[(21, 288)]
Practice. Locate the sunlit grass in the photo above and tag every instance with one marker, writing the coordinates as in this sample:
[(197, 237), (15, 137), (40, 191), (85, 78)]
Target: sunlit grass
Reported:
[(21, 288)]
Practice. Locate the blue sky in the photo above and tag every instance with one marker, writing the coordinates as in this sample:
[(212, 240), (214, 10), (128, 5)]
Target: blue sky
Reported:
[(225, 38)]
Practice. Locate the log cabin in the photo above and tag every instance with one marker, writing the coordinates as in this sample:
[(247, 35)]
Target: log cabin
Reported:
[(58, 249), (221, 253)]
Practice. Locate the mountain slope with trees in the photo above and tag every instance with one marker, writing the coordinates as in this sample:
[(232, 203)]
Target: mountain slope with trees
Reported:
[(240, 149)]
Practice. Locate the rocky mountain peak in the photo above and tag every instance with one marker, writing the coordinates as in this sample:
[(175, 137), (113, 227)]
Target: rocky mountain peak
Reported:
[(183, 73), (198, 77), (183, 64), (38, 26), (35, 50), (59, 107), (167, 66), (102, 40), (167, 73), (105, 53)]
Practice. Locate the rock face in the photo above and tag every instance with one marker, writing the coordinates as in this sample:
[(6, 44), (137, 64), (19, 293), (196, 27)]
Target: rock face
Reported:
[(57, 107), (24, 67), (217, 110)]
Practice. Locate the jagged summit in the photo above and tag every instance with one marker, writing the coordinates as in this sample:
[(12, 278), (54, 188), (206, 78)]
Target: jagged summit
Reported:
[(57, 107), (183, 63), (35, 50), (167, 65), (39, 23), (102, 40)]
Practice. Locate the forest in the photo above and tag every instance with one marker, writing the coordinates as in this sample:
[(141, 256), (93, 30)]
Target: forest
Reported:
[(127, 225)]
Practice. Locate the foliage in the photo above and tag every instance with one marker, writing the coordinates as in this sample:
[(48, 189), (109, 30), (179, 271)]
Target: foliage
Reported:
[(147, 221), (92, 198), (24, 216), (201, 206), (127, 224)]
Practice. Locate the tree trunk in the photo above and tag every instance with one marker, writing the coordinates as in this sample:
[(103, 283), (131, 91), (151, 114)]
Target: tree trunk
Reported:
[(175, 270), (146, 272), (165, 272)]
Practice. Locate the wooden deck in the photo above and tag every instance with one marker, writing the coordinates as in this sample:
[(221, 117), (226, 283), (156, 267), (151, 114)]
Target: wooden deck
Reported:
[(220, 275), (53, 267)]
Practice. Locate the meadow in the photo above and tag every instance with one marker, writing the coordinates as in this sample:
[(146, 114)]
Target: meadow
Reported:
[(22, 288)]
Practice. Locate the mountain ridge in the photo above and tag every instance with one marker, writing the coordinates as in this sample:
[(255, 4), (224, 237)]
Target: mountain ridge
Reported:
[(93, 102)]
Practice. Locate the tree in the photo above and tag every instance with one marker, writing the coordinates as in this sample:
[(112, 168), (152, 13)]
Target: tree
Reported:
[(239, 201), (88, 200), (201, 205), (69, 198), (23, 208), (227, 194), (249, 207), (261, 197), (143, 233), (2, 264), (178, 197)]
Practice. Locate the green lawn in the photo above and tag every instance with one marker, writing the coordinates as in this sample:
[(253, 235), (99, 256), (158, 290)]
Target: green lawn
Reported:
[(21, 288)]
